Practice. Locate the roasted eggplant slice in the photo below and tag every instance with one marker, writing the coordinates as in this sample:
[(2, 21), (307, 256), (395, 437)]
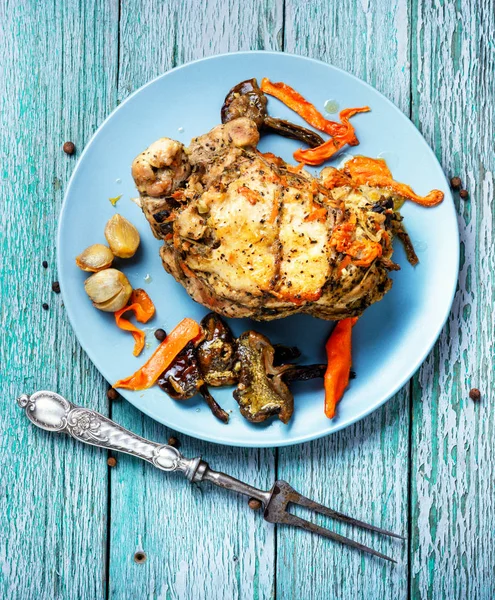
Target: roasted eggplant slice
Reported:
[(293, 131), (183, 379), (304, 373), (215, 408), (261, 392), (247, 100), (216, 353), (284, 354)]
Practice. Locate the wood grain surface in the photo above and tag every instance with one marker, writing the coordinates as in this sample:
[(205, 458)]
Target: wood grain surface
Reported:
[(453, 507), (422, 465), (57, 82)]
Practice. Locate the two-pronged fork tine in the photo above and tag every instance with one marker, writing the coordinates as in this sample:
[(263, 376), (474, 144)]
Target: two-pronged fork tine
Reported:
[(52, 412), (276, 512)]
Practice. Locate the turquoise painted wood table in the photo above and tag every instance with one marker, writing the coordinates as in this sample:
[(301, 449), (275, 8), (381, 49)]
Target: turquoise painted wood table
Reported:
[(423, 465)]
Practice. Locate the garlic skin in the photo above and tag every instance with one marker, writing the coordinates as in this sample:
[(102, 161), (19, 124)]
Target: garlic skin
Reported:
[(109, 290), (95, 258), (122, 236)]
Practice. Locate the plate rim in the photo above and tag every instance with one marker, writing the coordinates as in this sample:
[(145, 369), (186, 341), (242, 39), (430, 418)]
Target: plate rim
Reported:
[(401, 381)]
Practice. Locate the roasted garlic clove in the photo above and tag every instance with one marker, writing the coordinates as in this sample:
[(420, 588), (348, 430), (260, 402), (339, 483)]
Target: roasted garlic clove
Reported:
[(109, 290), (122, 237), (95, 258)]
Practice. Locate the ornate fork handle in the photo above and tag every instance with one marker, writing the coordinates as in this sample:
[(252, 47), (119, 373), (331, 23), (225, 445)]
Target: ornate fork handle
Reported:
[(52, 412)]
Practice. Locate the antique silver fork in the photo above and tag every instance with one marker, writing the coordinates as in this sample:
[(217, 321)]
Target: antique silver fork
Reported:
[(52, 412)]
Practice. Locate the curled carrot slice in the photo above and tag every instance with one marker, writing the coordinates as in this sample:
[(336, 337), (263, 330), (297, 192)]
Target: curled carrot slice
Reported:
[(318, 214), (315, 156), (374, 172), (251, 196), (143, 308), (338, 350), (301, 106), (147, 375)]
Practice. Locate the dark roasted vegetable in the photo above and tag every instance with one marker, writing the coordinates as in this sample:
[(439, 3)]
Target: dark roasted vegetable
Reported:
[(303, 373), (411, 255), (284, 354), (261, 392), (247, 100), (215, 408), (293, 131), (183, 379), (216, 352)]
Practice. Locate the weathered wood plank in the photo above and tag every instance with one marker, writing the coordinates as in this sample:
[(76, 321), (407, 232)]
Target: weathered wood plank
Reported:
[(199, 543), (364, 469), (58, 68), (453, 508)]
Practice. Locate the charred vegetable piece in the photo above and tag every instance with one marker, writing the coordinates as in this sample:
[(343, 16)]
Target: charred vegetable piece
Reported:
[(261, 392), (216, 353), (304, 373), (186, 331), (293, 131), (215, 408), (247, 100), (183, 379), (284, 354)]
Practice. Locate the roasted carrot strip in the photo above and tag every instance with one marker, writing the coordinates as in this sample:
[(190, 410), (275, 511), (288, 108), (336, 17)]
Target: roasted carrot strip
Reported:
[(315, 156), (301, 106), (345, 262), (186, 270), (375, 173), (338, 350), (333, 178), (296, 169), (272, 158), (251, 196), (362, 252), (143, 308), (147, 375), (318, 214)]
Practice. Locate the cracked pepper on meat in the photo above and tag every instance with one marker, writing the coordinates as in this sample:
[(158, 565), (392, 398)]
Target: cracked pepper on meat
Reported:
[(249, 235)]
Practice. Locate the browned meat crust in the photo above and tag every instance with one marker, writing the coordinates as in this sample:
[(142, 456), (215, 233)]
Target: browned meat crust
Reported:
[(249, 236)]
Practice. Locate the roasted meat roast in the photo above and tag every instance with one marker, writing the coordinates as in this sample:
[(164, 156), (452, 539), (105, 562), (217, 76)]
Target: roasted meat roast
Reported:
[(249, 235)]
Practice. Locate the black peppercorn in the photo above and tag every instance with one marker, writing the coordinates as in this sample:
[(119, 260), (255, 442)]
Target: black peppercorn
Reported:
[(455, 183), (464, 194), (56, 287), (160, 334)]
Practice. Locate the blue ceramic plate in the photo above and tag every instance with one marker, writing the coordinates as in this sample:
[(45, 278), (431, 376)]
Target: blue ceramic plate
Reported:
[(392, 338)]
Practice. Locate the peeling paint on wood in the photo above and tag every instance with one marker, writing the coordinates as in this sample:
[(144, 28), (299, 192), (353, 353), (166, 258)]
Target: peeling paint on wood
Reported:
[(56, 83), (453, 507)]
